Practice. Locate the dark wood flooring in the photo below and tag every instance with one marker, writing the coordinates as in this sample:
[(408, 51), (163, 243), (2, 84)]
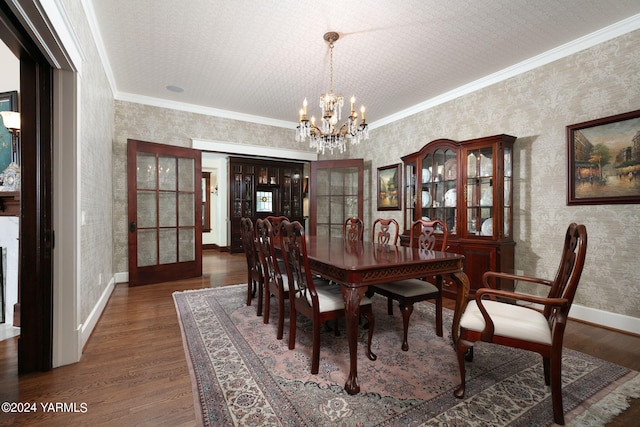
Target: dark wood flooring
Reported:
[(133, 369)]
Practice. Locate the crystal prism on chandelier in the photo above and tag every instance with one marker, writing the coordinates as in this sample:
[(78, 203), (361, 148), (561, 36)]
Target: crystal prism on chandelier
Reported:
[(330, 136)]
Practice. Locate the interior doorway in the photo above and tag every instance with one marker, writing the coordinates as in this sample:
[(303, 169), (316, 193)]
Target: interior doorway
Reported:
[(215, 156), (35, 283), (9, 205), (164, 203)]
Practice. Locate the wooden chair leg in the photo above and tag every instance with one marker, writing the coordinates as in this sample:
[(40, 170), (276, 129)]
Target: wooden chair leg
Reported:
[(259, 300), (389, 306), (250, 290), (556, 388), (315, 352), (280, 317), (546, 364), (462, 348), (406, 311), (469, 355), (267, 306), (439, 315), (292, 328)]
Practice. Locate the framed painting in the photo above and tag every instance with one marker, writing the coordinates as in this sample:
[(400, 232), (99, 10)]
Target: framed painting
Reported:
[(389, 190), (8, 102), (604, 160)]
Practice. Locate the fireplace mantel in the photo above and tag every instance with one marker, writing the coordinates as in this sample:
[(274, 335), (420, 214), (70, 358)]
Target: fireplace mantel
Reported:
[(9, 203)]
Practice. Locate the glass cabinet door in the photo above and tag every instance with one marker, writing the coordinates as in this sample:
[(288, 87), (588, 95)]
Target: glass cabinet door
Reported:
[(409, 196), (508, 191), (479, 191), (438, 195), (248, 191), (236, 191)]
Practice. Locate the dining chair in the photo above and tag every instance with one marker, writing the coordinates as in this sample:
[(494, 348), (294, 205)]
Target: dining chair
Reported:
[(499, 317), (353, 229), (274, 283), (385, 231), (312, 296), (408, 292), (255, 279), (275, 228)]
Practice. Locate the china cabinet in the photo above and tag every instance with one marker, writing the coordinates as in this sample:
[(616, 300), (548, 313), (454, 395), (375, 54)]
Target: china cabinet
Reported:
[(260, 188), (469, 186)]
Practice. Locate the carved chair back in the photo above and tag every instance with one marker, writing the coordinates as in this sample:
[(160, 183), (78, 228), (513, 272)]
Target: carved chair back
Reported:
[(385, 231), (353, 229), (424, 234)]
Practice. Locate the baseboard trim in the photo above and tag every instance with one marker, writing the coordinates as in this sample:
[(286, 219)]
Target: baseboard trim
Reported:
[(605, 319), (87, 327), (122, 277)]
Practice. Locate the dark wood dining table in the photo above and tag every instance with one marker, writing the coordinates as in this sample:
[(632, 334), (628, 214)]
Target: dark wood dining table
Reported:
[(356, 265)]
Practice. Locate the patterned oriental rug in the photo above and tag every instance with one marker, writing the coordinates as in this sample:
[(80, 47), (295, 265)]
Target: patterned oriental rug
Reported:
[(242, 375)]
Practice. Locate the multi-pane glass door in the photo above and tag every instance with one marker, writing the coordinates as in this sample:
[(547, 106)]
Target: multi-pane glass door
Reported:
[(165, 228), (336, 194)]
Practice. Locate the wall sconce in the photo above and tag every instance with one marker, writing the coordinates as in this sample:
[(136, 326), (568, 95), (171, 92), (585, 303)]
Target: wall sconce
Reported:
[(10, 177)]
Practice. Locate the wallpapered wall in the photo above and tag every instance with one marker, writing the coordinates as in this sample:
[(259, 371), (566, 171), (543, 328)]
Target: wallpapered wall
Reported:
[(165, 126), (535, 107), (94, 159)]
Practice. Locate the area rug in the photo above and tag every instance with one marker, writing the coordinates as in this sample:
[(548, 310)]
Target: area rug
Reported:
[(243, 375)]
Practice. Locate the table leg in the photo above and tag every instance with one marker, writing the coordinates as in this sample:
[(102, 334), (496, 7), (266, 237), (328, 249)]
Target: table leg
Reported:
[(352, 297)]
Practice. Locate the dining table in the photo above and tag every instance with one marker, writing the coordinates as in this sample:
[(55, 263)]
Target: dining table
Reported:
[(355, 265)]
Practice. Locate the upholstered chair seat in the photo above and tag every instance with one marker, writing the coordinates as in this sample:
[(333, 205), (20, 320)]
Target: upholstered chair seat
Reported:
[(509, 320)]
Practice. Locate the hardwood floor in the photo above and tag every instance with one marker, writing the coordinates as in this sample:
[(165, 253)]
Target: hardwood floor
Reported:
[(133, 369)]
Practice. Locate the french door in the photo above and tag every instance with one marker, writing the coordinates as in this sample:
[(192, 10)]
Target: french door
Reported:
[(165, 222), (336, 194)]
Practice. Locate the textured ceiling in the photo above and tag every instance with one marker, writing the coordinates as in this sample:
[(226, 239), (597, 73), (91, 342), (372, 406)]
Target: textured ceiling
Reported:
[(262, 58)]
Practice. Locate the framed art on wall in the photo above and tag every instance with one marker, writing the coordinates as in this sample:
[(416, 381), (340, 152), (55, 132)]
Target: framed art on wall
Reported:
[(8, 102), (604, 160), (389, 192)]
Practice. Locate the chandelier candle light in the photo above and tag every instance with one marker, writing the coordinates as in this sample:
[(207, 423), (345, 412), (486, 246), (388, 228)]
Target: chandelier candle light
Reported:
[(329, 135)]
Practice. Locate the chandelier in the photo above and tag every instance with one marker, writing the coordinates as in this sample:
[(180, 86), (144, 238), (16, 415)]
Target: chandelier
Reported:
[(329, 135)]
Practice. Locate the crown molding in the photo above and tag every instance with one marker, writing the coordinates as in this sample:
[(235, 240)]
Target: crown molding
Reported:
[(198, 109), (618, 29), (89, 11)]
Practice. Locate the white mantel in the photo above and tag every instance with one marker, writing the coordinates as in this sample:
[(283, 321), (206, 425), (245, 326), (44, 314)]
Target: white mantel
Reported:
[(9, 229)]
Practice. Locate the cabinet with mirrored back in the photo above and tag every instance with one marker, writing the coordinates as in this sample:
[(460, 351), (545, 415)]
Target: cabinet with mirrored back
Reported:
[(261, 188), (469, 186)]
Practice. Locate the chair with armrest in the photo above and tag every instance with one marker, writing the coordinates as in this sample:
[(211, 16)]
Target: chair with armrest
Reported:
[(410, 291), (353, 229), (495, 316), (311, 296), (274, 282), (255, 279)]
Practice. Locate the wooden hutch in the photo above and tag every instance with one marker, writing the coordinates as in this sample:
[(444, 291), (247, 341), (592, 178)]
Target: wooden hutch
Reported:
[(259, 188), (469, 186)]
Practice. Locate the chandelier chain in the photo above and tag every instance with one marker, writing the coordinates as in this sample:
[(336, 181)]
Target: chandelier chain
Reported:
[(331, 67)]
